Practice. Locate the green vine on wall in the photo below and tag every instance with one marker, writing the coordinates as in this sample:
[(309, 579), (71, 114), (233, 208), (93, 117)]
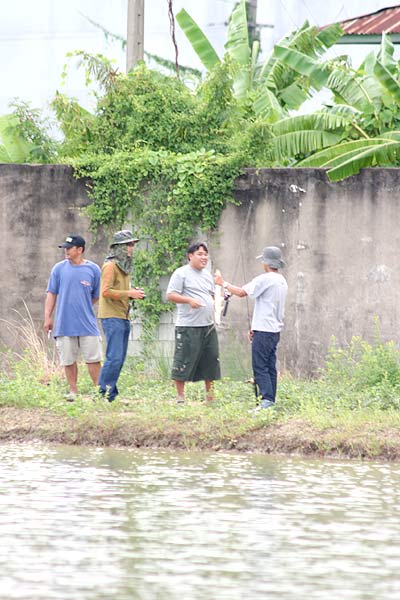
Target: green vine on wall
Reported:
[(166, 197), (157, 157)]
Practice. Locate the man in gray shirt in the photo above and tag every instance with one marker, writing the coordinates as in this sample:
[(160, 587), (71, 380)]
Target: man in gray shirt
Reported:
[(269, 293), (196, 356)]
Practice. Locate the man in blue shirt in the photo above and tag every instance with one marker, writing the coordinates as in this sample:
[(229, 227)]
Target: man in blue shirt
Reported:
[(74, 285)]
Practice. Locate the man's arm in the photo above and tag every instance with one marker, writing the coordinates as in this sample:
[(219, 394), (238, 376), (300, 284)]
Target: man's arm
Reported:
[(49, 305), (232, 289), (108, 291)]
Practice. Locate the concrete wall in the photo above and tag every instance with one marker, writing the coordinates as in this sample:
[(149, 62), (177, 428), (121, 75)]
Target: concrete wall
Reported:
[(39, 206), (340, 242)]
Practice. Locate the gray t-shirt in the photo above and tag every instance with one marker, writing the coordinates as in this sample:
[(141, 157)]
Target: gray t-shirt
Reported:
[(195, 284), (269, 292)]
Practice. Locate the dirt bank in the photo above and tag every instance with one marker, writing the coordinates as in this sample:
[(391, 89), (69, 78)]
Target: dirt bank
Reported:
[(294, 437)]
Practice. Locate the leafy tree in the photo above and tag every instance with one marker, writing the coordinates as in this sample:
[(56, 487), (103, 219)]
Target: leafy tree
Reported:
[(25, 137)]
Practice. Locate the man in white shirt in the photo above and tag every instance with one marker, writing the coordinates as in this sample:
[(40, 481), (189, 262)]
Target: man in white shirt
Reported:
[(269, 293), (192, 289)]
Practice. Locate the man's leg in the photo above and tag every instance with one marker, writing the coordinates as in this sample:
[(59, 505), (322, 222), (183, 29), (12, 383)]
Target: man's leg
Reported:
[(208, 367), (264, 363), (180, 390), (115, 333), (71, 374), (94, 371), (68, 349), (209, 390)]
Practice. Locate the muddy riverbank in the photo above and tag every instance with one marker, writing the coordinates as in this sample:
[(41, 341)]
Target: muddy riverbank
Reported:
[(369, 441)]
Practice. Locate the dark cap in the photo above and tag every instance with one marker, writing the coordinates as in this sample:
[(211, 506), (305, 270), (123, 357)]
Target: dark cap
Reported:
[(123, 237), (73, 240)]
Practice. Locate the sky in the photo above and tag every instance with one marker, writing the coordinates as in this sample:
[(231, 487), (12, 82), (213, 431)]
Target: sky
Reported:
[(35, 36)]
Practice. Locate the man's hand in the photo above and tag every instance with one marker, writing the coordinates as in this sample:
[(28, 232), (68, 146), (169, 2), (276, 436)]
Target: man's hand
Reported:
[(48, 325), (250, 335), (218, 279), (136, 294), (195, 303)]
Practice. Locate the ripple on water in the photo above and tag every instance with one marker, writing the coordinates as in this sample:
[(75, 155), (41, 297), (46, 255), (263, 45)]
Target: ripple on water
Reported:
[(101, 523)]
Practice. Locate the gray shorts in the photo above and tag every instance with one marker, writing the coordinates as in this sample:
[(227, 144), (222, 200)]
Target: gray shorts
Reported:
[(196, 355), (69, 347)]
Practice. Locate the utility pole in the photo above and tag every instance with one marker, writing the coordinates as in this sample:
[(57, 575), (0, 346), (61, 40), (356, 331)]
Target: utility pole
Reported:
[(135, 33), (252, 20)]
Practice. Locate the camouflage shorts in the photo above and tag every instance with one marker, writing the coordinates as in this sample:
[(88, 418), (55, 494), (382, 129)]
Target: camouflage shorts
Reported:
[(196, 355)]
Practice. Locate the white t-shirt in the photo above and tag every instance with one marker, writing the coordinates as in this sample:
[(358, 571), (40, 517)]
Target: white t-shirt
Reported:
[(269, 292), (197, 284)]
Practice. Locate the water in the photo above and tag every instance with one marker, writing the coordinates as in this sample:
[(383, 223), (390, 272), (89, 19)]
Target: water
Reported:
[(92, 524)]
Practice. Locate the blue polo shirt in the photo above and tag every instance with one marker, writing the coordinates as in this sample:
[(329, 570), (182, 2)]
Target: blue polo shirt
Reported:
[(76, 286)]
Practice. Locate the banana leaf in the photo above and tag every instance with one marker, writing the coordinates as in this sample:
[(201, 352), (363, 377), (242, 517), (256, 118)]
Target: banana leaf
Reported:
[(321, 158), (383, 155), (392, 135), (367, 66), (266, 105), (318, 74), (385, 54), (360, 92), (237, 47), (302, 142), (198, 40), (237, 44), (254, 65), (387, 81), (4, 156), (293, 96), (15, 148), (318, 120), (330, 35)]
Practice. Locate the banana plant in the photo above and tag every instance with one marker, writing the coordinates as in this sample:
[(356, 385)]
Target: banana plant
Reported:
[(273, 88), (373, 92), (13, 148)]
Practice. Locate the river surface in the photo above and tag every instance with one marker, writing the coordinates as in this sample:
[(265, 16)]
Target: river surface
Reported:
[(90, 524)]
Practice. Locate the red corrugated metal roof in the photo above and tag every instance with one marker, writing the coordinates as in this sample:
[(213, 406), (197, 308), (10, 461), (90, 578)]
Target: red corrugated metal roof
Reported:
[(385, 20)]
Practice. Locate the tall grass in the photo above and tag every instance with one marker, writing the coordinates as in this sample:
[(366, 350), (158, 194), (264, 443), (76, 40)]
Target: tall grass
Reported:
[(32, 349)]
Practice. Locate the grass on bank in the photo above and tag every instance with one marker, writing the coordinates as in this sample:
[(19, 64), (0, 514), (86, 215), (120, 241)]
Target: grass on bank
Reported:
[(352, 409)]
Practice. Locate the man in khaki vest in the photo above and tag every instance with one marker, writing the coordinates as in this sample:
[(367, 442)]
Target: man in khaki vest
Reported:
[(115, 294)]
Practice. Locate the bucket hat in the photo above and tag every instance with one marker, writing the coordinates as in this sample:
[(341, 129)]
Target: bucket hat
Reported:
[(123, 237), (272, 256)]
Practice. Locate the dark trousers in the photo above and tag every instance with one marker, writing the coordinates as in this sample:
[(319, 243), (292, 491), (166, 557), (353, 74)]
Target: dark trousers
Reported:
[(263, 354), (116, 332)]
